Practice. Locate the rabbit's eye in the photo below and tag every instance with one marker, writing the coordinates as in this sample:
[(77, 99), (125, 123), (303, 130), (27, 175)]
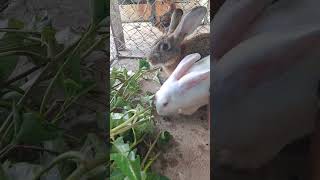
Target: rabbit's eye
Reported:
[(165, 104), (164, 46)]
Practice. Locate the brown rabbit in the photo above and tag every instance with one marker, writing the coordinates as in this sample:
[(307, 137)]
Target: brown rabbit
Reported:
[(169, 49)]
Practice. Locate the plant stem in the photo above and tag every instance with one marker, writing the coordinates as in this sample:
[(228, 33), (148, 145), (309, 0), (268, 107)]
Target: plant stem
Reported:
[(92, 48), (87, 167), (124, 123), (12, 146), (60, 111), (124, 129), (150, 162), (60, 56), (20, 76), (65, 106), (17, 47), (135, 144), (15, 88), (6, 126), (6, 150), (50, 87), (22, 99), (50, 49), (24, 53), (37, 149), (68, 155), (5, 104), (34, 39), (150, 149), (11, 30), (74, 51)]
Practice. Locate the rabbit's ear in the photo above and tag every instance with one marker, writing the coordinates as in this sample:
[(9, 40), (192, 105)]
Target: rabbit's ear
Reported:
[(185, 64), (232, 21), (190, 22), (193, 79), (175, 19)]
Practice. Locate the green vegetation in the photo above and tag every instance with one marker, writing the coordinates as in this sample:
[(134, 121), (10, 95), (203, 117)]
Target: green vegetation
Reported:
[(135, 142), (36, 99), (45, 76)]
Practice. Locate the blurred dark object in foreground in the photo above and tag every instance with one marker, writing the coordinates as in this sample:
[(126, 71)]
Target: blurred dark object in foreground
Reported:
[(292, 163), (215, 7), (3, 5)]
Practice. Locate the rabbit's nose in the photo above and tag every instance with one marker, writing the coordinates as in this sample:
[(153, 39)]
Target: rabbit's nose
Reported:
[(153, 57), (160, 112)]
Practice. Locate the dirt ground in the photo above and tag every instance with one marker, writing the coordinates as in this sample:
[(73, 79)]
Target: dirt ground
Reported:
[(189, 156)]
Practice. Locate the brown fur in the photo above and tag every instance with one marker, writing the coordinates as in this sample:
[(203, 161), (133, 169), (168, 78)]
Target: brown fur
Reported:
[(171, 48), (188, 47)]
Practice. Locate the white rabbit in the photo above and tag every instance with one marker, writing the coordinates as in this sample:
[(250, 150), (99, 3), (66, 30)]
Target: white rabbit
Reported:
[(187, 88)]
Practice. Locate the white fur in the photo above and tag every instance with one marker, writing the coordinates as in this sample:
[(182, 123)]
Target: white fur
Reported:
[(179, 99)]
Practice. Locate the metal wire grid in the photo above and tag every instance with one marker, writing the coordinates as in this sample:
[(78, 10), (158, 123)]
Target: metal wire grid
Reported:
[(135, 34)]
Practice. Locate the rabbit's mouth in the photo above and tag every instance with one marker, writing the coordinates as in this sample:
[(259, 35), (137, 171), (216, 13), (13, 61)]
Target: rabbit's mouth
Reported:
[(154, 59)]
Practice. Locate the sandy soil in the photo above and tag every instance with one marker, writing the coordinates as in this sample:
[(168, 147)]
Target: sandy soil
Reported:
[(188, 158)]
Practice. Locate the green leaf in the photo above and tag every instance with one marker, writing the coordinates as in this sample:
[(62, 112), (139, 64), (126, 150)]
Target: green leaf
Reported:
[(116, 119), (7, 66), (147, 100), (120, 102), (120, 147), (126, 160), (144, 64), (116, 174), (129, 167), (34, 129), (144, 128), (98, 10)]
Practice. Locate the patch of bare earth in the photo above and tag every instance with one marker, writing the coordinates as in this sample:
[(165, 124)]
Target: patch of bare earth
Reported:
[(188, 156)]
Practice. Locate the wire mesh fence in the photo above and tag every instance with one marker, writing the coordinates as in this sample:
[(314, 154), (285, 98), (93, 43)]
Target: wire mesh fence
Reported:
[(137, 24)]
